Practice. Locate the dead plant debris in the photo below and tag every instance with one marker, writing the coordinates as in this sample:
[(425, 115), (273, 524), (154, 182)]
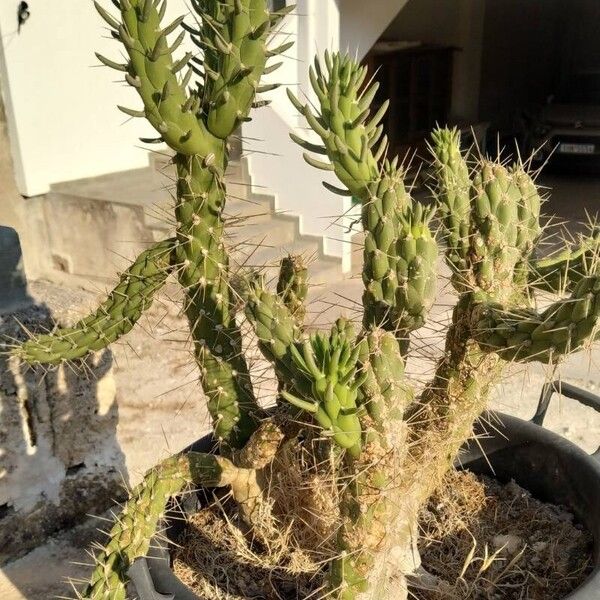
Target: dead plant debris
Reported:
[(480, 540)]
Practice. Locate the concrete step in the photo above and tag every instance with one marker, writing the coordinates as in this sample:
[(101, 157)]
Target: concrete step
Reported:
[(266, 257), (273, 232), (92, 220), (256, 208)]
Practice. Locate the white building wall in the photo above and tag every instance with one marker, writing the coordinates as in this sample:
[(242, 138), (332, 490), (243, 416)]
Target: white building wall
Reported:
[(61, 106), (276, 163)]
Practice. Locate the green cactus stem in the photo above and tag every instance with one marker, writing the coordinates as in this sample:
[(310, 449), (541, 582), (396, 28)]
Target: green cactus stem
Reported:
[(347, 133), (292, 286), (525, 334), (115, 316), (196, 122), (563, 270), (384, 392), (454, 194), (400, 252), (203, 274), (416, 269), (137, 523), (529, 229), (277, 332), (369, 512), (494, 227)]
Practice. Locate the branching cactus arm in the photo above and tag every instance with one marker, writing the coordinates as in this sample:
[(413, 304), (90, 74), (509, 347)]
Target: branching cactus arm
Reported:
[(113, 318), (562, 271), (136, 524), (400, 251), (196, 122), (527, 335), (277, 332)]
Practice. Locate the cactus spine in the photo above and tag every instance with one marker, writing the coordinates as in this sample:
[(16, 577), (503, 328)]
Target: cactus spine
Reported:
[(345, 390)]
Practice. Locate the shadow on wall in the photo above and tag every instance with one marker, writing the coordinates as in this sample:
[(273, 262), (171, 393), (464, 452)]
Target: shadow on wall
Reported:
[(59, 456)]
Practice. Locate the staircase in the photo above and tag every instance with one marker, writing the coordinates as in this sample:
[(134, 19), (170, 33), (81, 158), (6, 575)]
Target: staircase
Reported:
[(93, 227)]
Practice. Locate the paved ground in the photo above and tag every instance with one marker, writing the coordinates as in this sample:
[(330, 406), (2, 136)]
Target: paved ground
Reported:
[(161, 408)]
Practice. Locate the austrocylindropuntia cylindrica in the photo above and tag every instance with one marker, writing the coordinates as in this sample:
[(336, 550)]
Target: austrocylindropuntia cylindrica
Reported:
[(343, 394)]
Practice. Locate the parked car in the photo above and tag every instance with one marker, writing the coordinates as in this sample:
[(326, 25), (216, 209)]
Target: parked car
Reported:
[(566, 130)]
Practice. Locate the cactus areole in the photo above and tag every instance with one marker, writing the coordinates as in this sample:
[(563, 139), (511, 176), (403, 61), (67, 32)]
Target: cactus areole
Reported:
[(383, 443)]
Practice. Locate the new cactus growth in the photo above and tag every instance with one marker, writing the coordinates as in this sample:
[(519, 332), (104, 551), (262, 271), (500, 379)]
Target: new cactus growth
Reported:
[(343, 394)]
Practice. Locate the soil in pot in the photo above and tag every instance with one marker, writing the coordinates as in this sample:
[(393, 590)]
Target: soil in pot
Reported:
[(481, 540)]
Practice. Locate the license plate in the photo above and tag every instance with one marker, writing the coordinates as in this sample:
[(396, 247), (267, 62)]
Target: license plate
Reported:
[(577, 148)]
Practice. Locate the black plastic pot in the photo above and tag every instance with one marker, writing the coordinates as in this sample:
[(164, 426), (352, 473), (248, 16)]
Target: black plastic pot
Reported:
[(550, 467)]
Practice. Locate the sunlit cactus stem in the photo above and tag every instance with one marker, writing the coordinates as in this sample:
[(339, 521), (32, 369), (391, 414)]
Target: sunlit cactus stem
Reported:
[(113, 318)]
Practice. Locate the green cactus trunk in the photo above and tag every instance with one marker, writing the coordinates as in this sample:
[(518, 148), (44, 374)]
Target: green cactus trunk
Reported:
[(203, 268)]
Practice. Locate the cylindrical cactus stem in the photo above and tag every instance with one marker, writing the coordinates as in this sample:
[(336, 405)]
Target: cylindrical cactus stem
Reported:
[(371, 521), (378, 524), (380, 220), (495, 220), (525, 335), (454, 195), (292, 286), (416, 268), (353, 144), (137, 524), (400, 278), (203, 273), (114, 317), (196, 124), (528, 206), (329, 363), (233, 36), (442, 420), (563, 270), (152, 71), (277, 333), (352, 141), (385, 393)]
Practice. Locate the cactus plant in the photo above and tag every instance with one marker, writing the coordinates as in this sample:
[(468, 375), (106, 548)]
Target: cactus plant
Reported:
[(347, 390)]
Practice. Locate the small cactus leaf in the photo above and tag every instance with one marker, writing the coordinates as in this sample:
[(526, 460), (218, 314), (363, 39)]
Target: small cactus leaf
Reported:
[(110, 63)]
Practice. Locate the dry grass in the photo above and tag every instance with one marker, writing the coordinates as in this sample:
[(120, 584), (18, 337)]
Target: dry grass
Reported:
[(483, 540), (219, 562), (480, 540)]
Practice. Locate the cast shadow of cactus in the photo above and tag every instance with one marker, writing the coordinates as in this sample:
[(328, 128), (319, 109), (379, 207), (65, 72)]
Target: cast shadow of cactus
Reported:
[(59, 455)]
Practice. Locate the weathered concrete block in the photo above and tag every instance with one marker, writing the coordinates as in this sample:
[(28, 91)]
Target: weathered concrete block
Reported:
[(59, 457)]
